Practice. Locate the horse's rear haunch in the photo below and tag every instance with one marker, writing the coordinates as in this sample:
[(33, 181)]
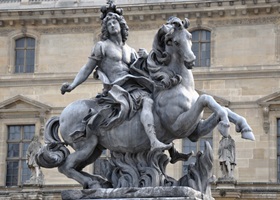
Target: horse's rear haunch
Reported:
[(54, 153)]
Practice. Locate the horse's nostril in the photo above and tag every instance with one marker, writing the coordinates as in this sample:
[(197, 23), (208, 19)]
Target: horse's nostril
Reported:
[(189, 65)]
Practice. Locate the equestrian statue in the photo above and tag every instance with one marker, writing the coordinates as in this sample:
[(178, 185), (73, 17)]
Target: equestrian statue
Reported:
[(148, 100)]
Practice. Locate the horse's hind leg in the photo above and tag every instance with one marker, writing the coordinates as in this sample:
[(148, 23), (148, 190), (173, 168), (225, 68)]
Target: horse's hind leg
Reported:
[(241, 125), (77, 160)]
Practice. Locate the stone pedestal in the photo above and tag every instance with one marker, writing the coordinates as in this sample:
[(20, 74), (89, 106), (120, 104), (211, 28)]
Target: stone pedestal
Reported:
[(226, 189), (226, 183), (148, 193)]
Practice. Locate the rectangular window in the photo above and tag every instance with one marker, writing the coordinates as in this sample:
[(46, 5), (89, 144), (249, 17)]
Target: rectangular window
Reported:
[(19, 138), (189, 146), (201, 40), (25, 55)]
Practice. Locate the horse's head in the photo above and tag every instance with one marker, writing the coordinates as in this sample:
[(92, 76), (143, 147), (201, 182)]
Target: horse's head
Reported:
[(176, 40)]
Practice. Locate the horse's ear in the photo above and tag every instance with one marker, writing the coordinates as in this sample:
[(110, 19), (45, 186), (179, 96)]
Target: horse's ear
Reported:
[(177, 24), (159, 38), (186, 23), (164, 29)]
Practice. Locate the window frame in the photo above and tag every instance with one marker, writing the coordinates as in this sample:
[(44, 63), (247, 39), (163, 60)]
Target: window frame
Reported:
[(24, 50), (21, 159), (12, 38), (200, 41)]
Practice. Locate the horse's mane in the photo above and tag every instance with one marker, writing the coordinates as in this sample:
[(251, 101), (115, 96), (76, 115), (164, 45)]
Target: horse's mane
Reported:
[(158, 60)]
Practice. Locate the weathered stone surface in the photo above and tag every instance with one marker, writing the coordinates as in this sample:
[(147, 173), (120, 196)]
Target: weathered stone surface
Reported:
[(136, 193)]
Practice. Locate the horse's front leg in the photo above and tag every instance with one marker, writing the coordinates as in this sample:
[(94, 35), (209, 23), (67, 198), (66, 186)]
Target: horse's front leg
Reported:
[(188, 121), (241, 125), (204, 127)]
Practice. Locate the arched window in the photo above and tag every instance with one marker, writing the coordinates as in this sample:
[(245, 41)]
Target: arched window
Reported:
[(24, 55), (201, 40)]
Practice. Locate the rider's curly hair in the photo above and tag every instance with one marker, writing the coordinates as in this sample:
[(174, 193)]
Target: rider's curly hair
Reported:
[(122, 22)]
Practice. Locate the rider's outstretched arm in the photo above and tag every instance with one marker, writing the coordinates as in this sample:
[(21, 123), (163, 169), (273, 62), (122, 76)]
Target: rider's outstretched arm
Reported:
[(82, 75)]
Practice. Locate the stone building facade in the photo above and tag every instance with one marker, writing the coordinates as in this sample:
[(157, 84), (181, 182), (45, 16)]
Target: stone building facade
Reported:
[(44, 43)]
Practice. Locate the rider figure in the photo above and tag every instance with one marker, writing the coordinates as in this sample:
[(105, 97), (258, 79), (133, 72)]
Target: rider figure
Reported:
[(111, 58)]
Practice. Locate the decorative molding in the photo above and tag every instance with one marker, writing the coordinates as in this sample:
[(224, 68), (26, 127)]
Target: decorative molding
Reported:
[(245, 21), (145, 11), (6, 31), (269, 103), (213, 47), (66, 29), (277, 43), (36, 105), (19, 106), (15, 34), (266, 123), (144, 26)]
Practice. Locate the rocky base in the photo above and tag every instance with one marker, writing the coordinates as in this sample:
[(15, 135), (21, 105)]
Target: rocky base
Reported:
[(147, 193)]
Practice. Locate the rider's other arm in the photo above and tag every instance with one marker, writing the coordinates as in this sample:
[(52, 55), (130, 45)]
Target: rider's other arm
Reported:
[(86, 70), (84, 73)]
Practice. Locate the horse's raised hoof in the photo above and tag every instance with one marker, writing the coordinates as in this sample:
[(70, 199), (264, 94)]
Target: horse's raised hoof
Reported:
[(248, 135), (159, 146), (223, 128)]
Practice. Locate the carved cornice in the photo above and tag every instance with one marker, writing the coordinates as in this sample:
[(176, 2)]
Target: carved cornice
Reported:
[(246, 21), (269, 103), (160, 10), (53, 30), (66, 30), (212, 73), (249, 72)]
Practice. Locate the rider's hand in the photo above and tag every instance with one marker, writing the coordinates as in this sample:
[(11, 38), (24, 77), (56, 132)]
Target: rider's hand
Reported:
[(142, 53), (66, 87)]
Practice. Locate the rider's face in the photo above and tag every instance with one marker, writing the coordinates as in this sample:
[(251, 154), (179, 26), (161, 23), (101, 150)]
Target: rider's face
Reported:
[(113, 27)]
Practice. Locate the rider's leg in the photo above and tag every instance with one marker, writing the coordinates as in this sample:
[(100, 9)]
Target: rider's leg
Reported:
[(241, 125), (147, 119)]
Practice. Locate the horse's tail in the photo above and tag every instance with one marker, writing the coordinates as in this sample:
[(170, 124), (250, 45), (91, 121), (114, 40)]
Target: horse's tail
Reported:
[(54, 152)]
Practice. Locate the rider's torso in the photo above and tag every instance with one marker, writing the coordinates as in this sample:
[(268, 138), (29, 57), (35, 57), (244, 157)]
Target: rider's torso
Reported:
[(116, 60)]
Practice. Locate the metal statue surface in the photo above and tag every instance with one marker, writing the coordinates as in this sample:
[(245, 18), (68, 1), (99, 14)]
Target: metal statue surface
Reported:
[(147, 102)]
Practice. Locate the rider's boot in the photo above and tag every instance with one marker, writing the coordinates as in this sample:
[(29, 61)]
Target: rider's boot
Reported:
[(155, 143)]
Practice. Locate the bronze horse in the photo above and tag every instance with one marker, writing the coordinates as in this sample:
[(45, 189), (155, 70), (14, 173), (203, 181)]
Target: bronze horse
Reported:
[(178, 110)]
